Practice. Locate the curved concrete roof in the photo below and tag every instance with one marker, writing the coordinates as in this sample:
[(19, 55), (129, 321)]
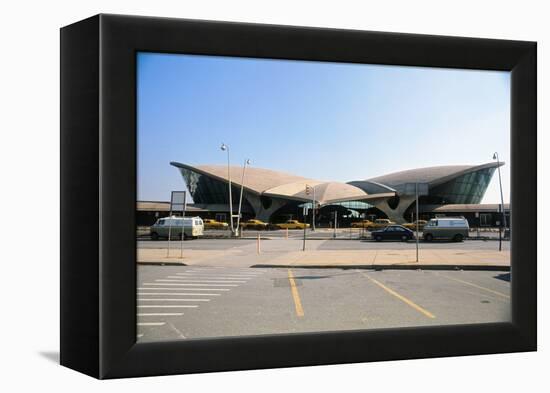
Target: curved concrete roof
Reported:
[(257, 179), (283, 185), (325, 192), (431, 175)]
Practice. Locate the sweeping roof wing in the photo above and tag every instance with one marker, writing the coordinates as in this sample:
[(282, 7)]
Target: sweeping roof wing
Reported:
[(257, 179), (431, 175), (283, 185)]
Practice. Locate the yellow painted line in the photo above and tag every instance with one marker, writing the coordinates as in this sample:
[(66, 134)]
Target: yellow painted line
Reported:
[(475, 286), (400, 297), (295, 295)]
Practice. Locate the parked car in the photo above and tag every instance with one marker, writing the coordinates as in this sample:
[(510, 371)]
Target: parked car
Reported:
[(412, 225), (454, 228), (361, 224), (381, 223), (213, 224), (292, 224), (393, 232), (176, 227), (254, 224)]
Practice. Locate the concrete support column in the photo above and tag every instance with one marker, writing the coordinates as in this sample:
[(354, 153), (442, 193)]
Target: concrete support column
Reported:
[(396, 215), (260, 212)]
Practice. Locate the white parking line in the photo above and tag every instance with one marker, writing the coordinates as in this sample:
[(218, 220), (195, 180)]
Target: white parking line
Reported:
[(225, 276), (192, 285), (176, 294), (211, 267), (151, 323), (173, 300), (214, 274), (218, 278), (181, 279), (168, 306), (183, 289), (245, 272), (161, 314), (231, 276)]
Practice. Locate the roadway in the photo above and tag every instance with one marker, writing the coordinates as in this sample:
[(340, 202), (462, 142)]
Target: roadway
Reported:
[(329, 244)]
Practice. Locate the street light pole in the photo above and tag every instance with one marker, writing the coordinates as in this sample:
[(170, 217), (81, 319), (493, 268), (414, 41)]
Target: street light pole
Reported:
[(246, 162), (495, 157), (313, 211), (224, 147), (416, 192)]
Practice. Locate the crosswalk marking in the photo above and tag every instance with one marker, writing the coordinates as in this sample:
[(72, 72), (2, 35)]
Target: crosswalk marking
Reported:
[(183, 289), (168, 306), (246, 273), (218, 273), (161, 314), (176, 294), (192, 285), (182, 279), (222, 277), (173, 300), (164, 297)]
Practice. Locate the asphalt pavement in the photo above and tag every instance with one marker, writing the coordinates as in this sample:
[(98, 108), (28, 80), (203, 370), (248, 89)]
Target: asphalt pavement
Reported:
[(328, 244), (188, 302)]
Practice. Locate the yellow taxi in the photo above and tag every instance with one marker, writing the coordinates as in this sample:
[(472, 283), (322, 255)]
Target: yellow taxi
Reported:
[(292, 224), (361, 224), (412, 225), (381, 223), (253, 224), (213, 224)]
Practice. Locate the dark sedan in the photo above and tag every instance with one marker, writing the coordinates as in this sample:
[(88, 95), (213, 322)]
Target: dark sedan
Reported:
[(393, 232)]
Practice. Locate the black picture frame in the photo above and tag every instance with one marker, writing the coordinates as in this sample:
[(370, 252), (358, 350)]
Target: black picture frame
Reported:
[(98, 195)]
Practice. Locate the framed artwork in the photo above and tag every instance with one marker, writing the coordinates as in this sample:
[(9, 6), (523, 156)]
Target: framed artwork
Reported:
[(240, 196)]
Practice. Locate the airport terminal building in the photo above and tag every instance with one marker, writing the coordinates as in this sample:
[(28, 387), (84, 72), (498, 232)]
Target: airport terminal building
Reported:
[(273, 196)]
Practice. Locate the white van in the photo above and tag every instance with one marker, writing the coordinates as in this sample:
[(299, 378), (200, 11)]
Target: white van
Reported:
[(192, 227), (454, 228)]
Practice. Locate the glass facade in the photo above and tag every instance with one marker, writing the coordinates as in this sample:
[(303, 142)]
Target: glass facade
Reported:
[(352, 205), (207, 190), (468, 188)]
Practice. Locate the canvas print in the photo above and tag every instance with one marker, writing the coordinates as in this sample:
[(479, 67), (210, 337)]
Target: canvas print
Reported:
[(282, 196)]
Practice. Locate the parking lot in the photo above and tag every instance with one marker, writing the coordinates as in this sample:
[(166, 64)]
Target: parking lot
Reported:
[(184, 302), (231, 287)]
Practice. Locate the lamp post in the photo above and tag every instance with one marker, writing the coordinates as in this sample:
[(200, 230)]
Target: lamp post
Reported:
[(224, 147), (495, 157), (313, 205), (246, 162)]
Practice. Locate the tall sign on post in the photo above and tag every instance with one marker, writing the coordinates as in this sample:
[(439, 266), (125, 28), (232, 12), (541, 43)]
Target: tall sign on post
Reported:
[(178, 203)]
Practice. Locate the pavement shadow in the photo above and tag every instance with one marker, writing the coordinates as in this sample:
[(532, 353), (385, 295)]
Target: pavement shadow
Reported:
[(341, 273), (52, 356), (503, 277)]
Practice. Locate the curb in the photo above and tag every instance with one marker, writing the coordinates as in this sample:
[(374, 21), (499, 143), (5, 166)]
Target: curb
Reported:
[(390, 267)]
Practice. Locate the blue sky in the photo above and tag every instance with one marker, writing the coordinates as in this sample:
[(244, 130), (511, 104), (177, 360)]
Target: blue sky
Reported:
[(328, 121)]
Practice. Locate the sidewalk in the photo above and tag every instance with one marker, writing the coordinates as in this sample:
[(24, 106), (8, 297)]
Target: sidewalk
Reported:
[(277, 254), (395, 259)]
